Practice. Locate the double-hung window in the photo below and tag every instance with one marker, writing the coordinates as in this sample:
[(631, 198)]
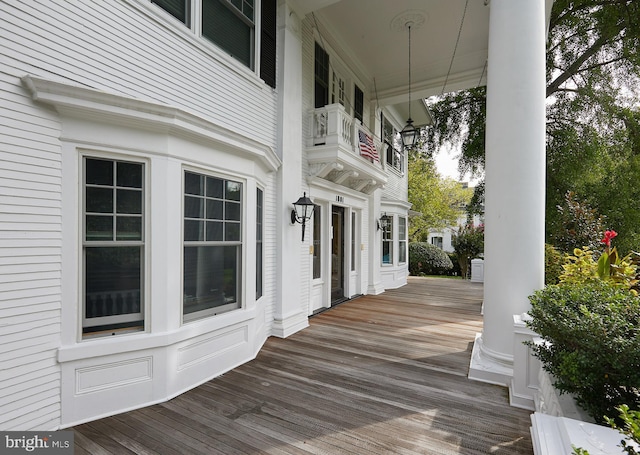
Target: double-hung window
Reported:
[(113, 246), (259, 241), (212, 245), (387, 239), (394, 155), (402, 240), (231, 25)]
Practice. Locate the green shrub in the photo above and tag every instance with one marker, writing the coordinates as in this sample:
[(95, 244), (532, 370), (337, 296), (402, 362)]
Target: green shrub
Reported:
[(427, 259), (592, 343), (553, 261)]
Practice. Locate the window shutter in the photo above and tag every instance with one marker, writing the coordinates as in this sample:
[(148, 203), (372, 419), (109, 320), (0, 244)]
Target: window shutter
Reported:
[(268, 42)]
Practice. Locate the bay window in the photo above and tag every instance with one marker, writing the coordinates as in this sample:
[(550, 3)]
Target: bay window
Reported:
[(212, 245)]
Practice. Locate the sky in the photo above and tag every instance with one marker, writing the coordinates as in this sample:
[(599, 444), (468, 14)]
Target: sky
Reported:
[(447, 165)]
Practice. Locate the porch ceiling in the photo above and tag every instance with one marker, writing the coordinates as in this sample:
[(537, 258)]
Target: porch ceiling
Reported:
[(371, 36)]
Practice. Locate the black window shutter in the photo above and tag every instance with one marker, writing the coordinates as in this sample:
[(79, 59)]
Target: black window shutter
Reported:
[(268, 42)]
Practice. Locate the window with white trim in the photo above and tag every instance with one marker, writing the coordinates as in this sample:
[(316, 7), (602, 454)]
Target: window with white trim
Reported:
[(387, 239), (437, 241), (394, 154), (212, 245), (231, 25), (402, 240), (113, 246), (259, 254)]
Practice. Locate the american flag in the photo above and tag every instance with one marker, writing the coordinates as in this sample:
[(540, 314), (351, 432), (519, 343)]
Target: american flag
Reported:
[(367, 147)]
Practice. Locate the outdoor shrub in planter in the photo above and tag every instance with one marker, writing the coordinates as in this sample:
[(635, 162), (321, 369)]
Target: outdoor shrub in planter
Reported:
[(592, 343), (427, 259)]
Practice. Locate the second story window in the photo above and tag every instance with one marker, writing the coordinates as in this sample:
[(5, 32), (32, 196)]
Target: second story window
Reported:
[(231, 25), (358, 103), (321, 77), (394, 155)]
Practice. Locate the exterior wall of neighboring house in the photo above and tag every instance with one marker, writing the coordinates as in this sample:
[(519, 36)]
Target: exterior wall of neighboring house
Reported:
[(123, 133), (444, 237)]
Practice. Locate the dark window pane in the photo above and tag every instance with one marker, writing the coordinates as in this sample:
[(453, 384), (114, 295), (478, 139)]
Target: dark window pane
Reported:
[(321, 76), (99, 172), (232, 211), (99, 200), (129, 201), (215, 187), (193, 207), (177, 8), (193, 230), (214, 210), (129, 175), (386, 253), (210, 277), (358, 105), (129, 228), (193, 184), (99, 227), (232, 232), (215, 231), (233, 191), (113, 281), (227, 30)]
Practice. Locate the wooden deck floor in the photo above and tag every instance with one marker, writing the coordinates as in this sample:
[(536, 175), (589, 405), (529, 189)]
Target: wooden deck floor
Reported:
[(380, 374)]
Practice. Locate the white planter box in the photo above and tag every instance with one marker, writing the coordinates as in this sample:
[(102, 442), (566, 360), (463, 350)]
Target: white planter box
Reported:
[(558, 424)]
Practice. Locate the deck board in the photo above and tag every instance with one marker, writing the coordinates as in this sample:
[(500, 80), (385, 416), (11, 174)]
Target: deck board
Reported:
[(380, 375)]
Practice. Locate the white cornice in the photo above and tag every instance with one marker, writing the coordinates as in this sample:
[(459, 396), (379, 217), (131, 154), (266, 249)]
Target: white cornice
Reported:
[(82, 102)]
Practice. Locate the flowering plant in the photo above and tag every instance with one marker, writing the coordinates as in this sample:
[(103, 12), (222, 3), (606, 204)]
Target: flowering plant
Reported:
[(610, 267)]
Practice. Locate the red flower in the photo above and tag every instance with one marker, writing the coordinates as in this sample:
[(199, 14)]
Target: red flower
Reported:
[(608, 237)]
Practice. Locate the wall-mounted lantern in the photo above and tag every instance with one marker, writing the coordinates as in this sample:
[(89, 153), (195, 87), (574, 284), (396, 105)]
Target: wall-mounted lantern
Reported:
[(303, 209)]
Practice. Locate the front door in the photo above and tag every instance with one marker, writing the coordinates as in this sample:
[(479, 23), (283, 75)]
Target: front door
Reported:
[(337, 255)]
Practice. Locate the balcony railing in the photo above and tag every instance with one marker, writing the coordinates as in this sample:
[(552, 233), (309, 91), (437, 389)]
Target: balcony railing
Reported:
[(331, 125)]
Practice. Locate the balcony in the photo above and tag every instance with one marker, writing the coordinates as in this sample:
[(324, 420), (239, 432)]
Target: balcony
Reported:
[(334, 155)]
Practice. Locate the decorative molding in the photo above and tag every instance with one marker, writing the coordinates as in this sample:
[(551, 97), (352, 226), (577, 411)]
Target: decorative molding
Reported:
[(414, 17), (83, 102), (111, 375)]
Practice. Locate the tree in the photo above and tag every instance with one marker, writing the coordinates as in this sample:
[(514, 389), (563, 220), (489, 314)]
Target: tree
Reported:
[(439, 201), (468, 243), (593, 115)]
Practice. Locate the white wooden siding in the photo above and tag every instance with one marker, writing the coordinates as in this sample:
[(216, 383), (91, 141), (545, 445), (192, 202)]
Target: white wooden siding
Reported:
[(30, 255), (119, 47)]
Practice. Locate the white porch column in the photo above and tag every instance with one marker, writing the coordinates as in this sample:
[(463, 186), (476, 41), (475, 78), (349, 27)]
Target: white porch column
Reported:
[(515, 180), (289, 314)]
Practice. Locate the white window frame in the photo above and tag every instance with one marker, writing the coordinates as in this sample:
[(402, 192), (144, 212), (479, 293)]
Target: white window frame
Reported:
[(128, 317), (239, 244), (387, 239), (402, 239), (194, 25), (259, 242)]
